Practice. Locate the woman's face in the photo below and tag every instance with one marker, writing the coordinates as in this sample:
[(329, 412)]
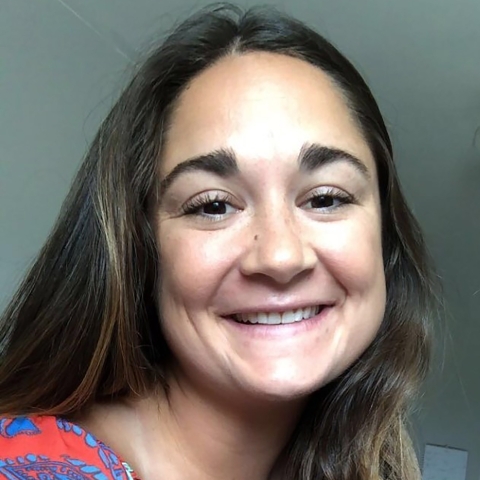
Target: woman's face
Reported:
[(269, 231)]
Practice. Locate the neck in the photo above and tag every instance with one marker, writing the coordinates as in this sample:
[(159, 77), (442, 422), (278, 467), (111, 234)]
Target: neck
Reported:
[(189, 436), (225, 439)]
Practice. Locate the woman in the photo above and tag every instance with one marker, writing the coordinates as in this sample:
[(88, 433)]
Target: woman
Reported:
[(235, 287)]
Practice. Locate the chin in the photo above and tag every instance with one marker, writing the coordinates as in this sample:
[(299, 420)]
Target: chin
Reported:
[(283, 391)]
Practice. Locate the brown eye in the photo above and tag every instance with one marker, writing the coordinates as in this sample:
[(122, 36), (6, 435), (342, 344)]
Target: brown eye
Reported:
[(214, 208), (323, 201), (210, 206), (328, 200)]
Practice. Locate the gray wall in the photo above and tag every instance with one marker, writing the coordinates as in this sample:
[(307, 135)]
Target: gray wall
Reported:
[(56, 83), (62, 64)]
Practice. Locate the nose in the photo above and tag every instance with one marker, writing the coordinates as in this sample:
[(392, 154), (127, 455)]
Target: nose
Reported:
[(278, 249)]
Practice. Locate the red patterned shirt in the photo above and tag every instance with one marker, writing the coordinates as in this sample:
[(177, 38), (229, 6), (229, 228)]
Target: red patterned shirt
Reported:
[(50, 448)]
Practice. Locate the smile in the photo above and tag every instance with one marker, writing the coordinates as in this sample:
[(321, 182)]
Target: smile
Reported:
[(277, 318)]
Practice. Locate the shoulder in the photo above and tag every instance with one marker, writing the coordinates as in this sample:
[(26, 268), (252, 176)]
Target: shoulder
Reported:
[(49, 447)]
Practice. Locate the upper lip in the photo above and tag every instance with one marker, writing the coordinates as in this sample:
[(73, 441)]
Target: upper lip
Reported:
[(263, 308)]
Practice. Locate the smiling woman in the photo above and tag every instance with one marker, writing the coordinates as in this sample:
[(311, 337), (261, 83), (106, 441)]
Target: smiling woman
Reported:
[(235, 287), (292, 168)]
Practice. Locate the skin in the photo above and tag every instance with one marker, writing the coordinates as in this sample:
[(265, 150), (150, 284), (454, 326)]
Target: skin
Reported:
[(236, 391)]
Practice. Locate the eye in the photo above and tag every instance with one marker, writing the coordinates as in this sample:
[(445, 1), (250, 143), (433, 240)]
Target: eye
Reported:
[(210, 206), (328, 199)]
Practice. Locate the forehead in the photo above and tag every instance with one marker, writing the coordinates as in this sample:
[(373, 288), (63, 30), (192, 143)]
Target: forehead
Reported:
[(261, 106)]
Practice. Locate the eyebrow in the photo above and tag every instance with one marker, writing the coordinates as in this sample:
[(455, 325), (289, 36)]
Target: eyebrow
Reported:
[(314, 156), (223, 163)]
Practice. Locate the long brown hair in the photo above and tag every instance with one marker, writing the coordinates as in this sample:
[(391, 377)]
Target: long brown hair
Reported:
[(83, 325)]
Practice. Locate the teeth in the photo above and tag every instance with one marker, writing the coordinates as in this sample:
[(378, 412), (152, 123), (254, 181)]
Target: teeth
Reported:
[(274, 318), (290, 316)]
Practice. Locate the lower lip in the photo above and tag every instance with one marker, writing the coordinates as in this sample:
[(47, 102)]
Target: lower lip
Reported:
[(282, 329)]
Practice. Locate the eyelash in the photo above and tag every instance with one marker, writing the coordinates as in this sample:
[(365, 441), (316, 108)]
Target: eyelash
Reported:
[(343, 197), (194, 206)]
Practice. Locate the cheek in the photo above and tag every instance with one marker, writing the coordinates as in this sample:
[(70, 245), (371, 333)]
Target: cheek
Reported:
[(354, 261), (194, 263), (353, 255)]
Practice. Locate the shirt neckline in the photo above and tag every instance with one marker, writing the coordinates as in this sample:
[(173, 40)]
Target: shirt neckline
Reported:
[(129, 471)]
